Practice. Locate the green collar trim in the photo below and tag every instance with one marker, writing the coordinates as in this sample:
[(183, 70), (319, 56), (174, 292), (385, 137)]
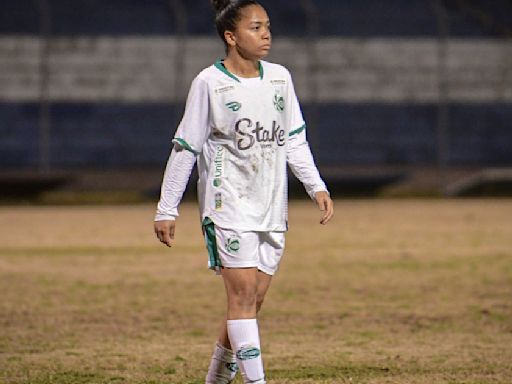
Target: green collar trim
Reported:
[(219, 64), (260, 66)]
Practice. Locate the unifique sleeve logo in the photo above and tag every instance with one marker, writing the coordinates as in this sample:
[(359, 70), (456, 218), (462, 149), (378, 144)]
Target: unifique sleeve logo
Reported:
[(218, 161)]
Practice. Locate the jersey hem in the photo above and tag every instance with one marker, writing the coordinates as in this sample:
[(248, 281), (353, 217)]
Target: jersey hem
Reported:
[(230, 225)]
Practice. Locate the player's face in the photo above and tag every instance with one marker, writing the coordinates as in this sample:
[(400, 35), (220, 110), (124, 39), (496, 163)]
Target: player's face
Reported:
[(252, 37)]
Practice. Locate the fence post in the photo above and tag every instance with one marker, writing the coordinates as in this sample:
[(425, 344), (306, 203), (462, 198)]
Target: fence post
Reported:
[(313, 31), (180, 19), (443, 112), (45, 117)]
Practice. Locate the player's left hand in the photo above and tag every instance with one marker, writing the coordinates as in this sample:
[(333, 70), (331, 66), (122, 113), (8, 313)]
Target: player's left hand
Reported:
[(326, 206)]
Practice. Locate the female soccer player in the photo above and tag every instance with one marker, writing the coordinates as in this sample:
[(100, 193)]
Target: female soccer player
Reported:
[(243, 124)]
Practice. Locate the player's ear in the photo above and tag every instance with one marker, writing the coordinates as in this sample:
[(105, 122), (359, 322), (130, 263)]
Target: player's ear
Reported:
[(230, 38)]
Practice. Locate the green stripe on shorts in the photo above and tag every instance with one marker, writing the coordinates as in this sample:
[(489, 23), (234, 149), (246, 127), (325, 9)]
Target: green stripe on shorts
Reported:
[(211, 244)]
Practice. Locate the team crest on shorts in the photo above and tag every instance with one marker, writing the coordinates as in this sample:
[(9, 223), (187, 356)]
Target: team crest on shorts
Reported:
[(233, 244)]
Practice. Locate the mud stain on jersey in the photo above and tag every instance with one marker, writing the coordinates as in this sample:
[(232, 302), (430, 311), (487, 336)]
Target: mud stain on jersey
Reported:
[(222, 132), (269, 155), (255, 163), (255, 171)]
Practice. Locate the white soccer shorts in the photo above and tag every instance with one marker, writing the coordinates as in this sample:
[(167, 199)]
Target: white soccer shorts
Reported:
[(242, 249)]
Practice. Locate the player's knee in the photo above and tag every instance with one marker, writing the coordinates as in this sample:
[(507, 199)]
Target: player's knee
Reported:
[(259, 301), (243, 296)]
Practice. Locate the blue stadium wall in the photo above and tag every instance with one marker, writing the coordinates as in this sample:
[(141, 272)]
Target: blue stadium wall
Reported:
[(110, 133)]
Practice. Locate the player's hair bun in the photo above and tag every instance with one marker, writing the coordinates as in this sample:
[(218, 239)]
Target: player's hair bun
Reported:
[(219, 5)]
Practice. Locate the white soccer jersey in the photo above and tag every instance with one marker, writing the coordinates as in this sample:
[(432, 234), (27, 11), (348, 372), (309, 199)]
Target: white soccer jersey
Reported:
[(243, 132)]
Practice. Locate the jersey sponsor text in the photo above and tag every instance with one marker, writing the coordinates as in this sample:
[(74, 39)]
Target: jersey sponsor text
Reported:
[(257, 135)]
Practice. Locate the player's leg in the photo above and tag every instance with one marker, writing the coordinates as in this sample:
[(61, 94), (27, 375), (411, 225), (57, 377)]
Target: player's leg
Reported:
[(270, 247), (263, 284), (223, 366), (223, 334), (231, 250), (241, 290), (270, 251), (242, 326)]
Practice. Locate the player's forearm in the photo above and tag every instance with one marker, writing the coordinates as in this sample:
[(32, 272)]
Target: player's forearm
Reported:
[(177, 172), (303, 167)]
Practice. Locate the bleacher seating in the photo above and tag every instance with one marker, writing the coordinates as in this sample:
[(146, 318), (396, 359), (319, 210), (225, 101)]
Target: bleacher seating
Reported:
[(103, 133)]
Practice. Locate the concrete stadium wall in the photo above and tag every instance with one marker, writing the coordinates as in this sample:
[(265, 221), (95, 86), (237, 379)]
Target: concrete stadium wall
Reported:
[(117, 100), (330, 70), (116, 96)]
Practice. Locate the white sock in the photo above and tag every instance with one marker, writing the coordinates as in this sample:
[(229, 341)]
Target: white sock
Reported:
[(245, 341), (223, 368)]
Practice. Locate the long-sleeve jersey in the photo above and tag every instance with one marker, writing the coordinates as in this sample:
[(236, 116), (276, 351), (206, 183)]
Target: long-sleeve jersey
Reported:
[(242, 133)]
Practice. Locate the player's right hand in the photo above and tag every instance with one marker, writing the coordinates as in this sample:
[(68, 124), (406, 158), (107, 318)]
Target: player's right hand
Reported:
[(325, 205), (164, 230)]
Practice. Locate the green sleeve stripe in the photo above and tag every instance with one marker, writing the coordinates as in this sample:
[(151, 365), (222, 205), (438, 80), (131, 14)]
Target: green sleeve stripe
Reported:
[(297, 131), (185, 145)]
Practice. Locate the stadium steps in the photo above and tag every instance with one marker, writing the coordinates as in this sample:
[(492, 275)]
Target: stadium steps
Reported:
[(487, 182), (20, 185)]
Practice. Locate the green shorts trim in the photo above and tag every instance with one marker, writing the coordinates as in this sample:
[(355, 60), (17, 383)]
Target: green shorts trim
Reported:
[(211, 244)]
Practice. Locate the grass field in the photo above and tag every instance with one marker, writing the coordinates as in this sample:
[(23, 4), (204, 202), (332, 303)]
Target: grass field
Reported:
[(392, 291)]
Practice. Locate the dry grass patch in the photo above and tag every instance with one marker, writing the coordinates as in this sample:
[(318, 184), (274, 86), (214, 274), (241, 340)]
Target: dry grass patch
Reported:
[(390, 292)]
